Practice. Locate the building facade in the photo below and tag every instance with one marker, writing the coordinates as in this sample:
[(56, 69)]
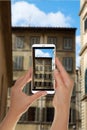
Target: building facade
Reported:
[(5, 55), (78, 98), (43, 73), (83, 54), (40, 114)]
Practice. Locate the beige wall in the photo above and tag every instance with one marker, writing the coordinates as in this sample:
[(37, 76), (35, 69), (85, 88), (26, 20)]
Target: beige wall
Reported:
[(83, 63), (82, 18)]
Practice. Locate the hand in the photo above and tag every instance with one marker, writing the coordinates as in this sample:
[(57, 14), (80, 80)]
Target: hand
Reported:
[(63, 87), (20, 102)]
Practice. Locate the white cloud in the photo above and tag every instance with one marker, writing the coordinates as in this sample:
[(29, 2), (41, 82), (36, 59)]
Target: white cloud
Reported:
[(78, 40), (77, 61), (78, 47), (39, 53), (26, 14)]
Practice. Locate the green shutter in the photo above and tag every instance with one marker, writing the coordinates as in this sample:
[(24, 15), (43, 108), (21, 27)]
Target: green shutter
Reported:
[(86, 81)]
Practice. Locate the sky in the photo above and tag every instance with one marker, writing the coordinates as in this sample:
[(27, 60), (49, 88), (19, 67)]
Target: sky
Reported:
[(44, 52), (50, 13)]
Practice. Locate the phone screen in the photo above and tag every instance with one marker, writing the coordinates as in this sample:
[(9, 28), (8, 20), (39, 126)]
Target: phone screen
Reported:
[(43, 66)]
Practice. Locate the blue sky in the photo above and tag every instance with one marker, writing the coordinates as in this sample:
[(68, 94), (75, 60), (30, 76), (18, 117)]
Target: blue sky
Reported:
[(57, 13), (44, 52)]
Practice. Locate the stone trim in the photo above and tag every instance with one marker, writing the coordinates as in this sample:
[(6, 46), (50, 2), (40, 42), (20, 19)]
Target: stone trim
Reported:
[(83, 49)]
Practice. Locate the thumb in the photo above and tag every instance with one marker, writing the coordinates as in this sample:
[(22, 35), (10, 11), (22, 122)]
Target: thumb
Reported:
[(37, 95)]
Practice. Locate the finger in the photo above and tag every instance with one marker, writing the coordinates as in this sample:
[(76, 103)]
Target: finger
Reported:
[(58, 79), (21, 82), (62, 71), (55, 85), (27, 78), (22, 77), (37, 95)]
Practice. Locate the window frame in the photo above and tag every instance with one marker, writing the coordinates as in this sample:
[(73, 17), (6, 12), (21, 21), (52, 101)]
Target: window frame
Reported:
[(69, 64), (36, 40), (19, 39), (50, 40), (68, 43), (86, 81), (17, 66), (85, 24)]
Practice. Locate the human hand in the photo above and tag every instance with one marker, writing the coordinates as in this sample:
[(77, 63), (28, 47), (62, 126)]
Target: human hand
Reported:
[(20, 102), (61, 102), (63, 87)]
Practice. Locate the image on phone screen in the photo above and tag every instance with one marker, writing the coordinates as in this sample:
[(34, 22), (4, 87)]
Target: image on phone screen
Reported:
[(43, 66)]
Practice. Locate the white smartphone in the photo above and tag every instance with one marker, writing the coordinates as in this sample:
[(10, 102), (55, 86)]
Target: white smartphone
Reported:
[(43, 56)]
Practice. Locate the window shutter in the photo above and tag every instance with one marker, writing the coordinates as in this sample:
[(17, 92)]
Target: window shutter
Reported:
[(68, 63), (85, 24), (86, 81)]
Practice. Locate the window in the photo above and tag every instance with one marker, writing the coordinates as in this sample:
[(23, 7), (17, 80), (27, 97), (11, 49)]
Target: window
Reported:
[(18, 62), (19, 42), (38, 61), (50, 76), (50, 114), (67, 43), (68, 63), (44, 114), (52, 40), (37, 117), (36, 68), (49, 84), (35, 114), (48, 68), (85, 24), (30, 61), (41, 68), (34, 40), (74, 90), (29, 115), (35, 83), (72, 116), (86, 81), (42, 84)]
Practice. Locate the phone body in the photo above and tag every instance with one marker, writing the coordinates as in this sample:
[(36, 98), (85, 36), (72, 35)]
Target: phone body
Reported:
[(43, 56)]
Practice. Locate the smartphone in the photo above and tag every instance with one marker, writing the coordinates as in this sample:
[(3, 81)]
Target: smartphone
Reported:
[(43, 56)]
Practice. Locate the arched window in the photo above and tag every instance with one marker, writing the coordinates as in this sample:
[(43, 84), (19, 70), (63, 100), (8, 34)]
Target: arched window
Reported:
[(86, 81), (85, 24)]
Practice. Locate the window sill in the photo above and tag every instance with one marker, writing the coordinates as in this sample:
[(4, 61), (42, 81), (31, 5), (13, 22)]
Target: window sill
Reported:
[(35, 122)]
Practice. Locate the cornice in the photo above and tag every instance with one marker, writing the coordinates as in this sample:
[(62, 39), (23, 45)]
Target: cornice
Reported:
[(83, 49), (84, 98), (43, 28), (71, 30), (82, 8)]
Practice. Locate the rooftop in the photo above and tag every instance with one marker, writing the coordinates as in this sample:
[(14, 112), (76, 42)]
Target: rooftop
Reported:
[(43, 28)]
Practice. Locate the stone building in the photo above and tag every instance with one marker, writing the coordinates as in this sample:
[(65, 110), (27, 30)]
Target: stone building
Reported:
[(40, 114), (5, 54), (83, 54), (43, 73), (78, 98)]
